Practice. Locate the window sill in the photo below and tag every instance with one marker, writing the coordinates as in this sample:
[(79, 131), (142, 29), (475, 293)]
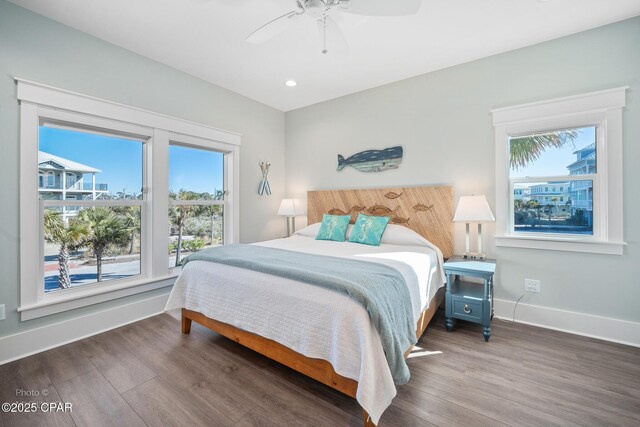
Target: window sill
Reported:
[(71, 302), (561, 244)]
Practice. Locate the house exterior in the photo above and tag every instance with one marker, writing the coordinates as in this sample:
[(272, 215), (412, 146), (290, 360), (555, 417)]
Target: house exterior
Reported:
[(581, 192), (555, 194), (64, 179), (521, 192)]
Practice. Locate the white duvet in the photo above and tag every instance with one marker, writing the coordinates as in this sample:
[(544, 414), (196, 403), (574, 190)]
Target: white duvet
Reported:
[(314, 321)]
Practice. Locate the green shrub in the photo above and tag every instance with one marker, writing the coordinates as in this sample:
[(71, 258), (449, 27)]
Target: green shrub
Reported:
[(193, 245)]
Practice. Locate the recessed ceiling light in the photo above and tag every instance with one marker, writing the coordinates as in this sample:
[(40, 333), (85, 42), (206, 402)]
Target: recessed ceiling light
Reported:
[(291, 83)]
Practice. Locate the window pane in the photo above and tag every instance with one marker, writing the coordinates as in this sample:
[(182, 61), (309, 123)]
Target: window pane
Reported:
[(554, 207), (564, 152), (197, 174), (193, 228), (77, 165), (88, 245)]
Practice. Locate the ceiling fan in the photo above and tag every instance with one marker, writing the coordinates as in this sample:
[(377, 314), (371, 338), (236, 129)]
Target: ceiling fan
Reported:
[(321, 10)]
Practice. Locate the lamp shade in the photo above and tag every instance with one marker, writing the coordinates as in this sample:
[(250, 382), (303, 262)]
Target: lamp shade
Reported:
[(291, 207), (473, 209)]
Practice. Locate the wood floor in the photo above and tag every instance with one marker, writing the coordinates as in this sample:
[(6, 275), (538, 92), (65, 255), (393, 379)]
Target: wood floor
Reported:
[(148, 373)]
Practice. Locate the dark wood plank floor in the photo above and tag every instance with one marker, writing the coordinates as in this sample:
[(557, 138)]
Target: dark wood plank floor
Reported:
[(148, 373)]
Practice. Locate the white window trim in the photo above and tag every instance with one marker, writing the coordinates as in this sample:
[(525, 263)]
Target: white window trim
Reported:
[(42, 103), (602, 109)]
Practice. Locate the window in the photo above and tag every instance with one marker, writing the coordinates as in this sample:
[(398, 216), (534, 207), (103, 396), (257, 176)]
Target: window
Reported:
[(196, 200), (566, 155), (89, 235), (555, 160), (100, 184)]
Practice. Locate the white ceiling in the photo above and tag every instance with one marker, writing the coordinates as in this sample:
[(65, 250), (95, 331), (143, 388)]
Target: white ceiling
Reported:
[(206, 38)]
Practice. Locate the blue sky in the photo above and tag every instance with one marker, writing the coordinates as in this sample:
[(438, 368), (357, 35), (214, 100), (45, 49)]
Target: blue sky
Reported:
[(121, 161), (195, 170), (554, 161)]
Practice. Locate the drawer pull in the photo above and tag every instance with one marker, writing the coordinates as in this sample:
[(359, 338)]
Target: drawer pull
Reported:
[(467, 309)]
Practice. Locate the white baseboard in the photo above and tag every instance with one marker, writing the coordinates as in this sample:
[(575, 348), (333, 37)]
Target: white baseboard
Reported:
[(22, 344), (604, 328)]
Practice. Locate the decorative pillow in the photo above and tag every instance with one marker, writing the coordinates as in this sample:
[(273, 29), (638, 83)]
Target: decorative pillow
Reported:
[(334, 227), (368, 229)]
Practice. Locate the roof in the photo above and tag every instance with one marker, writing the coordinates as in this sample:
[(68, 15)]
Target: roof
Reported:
[(51, 162), (591, 146)]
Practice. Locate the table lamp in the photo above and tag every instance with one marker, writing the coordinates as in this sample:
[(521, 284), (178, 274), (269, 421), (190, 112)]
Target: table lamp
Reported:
[(474, 209), (291, 208)]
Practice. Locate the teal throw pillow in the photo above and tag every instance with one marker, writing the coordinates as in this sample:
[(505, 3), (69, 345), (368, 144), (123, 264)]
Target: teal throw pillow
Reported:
[(333, 227), (368, 229)]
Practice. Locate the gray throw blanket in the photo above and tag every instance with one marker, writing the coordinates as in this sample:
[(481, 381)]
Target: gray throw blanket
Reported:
[(380, 289)]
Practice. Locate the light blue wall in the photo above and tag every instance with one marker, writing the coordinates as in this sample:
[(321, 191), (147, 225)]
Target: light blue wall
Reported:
[(42, 50), (443, 121)]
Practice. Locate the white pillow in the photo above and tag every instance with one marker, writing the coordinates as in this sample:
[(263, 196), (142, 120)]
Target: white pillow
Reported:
[(401, 235), (310, 230)]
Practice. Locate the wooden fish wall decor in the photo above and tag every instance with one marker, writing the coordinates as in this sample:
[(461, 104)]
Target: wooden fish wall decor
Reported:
[(391, 195), (336, 211), (264, 187), (354, 211), (373, 160), (380, 210), (399, 220), (422, 207)]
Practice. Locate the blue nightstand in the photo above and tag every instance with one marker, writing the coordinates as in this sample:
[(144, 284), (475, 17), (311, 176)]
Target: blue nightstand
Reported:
[(468, 300)]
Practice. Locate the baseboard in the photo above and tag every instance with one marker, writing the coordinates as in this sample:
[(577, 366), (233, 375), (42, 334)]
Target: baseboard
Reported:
[(22, 344), (604, 328)]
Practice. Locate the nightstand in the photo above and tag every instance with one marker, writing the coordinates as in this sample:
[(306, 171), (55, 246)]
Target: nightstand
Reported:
[(469, 300)]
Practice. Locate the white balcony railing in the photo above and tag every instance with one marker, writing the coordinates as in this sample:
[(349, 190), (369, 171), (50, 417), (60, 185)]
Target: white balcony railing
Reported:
[(78, 186)]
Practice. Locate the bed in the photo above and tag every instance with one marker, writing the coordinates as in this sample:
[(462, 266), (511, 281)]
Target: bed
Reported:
[(321, 333)]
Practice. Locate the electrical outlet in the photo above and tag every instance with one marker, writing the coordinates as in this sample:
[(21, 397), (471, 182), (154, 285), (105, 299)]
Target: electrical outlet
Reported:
[(2, 314), (531, 285)]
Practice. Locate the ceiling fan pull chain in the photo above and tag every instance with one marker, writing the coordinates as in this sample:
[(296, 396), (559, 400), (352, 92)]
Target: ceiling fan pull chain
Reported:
[(324, 34)]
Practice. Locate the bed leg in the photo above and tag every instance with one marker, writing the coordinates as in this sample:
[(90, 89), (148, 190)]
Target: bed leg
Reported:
[(367, 419), (186, 323)]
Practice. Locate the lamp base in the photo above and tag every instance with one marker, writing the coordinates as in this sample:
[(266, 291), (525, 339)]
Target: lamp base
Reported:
[(475, 255)]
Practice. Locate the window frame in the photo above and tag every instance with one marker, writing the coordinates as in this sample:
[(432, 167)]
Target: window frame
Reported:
[(602, 109), (43, 104), (198, 143)]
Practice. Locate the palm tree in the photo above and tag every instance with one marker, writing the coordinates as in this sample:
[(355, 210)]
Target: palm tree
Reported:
[(133, 222), (526, 149), (555, 199), (105, 228), (131, 217), (179, 213), (535, 206), (548, 210), (69, 237)]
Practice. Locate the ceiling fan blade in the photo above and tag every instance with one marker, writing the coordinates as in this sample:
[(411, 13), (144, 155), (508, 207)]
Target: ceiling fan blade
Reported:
[(272, 28), (332, 39), (381, 7)]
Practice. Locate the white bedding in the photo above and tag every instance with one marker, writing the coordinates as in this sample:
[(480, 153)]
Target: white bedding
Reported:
[(311, 320)]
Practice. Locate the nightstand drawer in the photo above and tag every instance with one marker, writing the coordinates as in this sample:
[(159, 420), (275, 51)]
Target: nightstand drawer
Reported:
[(467, 309)]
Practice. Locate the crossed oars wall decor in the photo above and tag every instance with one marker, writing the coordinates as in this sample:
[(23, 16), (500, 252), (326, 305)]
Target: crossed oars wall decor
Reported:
[(264, 187)]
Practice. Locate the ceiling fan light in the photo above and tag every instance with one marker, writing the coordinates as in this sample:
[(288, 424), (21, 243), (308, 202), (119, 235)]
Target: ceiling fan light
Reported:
[(291, 83)]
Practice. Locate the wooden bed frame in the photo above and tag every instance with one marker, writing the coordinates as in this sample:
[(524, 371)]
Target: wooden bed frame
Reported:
[(436, 200)]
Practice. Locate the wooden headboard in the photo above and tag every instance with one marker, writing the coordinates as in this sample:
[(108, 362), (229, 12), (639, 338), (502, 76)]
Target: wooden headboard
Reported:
[(426, 210)]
